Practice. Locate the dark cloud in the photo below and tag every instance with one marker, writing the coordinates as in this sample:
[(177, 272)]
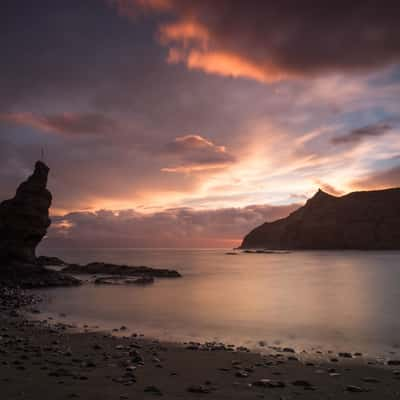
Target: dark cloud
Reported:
[(357, 135), (65, 123), (267, 41), (196, 153), (379, 180), (180, 227)]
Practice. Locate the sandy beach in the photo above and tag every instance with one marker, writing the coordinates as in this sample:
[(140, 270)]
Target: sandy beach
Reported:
[(47, 359)]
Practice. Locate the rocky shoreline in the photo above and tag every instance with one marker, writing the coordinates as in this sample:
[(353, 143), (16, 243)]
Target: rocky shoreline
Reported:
[(38, 275), (45, 356)]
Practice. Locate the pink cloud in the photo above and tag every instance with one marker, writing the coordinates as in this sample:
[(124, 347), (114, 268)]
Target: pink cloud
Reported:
[(195, 153), (178, 227), (65, 123)]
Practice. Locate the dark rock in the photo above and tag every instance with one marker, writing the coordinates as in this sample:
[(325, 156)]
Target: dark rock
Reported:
[(354, 389), (302, 383), (153, 389), (345, 355), (370, 379), (119, 280), (241, 374), (268, 383), (24, 219), (359, 220), (288, 350), (121, 270), (30, 276), (198, 389), (45, 261)]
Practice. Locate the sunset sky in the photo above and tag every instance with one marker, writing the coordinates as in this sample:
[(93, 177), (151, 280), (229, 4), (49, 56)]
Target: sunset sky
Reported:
[(186, 123)]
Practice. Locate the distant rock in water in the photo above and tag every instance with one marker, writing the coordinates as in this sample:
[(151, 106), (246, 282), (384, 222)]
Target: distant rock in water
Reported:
[(360, 220), (121, 270), (24, 219)]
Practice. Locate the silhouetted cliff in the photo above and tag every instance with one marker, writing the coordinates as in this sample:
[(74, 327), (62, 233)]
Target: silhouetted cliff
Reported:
[(359, 220), (24, 219)]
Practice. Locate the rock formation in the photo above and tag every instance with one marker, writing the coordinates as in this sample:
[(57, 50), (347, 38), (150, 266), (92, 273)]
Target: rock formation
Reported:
[(121, 270), (361, 220), (24, 219)]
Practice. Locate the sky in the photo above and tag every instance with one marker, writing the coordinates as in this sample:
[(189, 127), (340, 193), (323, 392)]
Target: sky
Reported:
[(186, 123)]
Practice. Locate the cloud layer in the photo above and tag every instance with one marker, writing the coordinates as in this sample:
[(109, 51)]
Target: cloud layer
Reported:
[(269, 41), (65, 123), (384, 179), (181, 227)]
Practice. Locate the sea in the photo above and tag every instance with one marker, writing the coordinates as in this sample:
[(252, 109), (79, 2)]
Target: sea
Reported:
[(308, 300)]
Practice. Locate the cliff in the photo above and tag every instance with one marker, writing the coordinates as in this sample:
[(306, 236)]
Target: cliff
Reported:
[(360, 220)]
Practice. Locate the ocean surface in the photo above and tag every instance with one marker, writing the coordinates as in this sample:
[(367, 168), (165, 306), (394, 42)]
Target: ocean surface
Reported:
[(323, 300)]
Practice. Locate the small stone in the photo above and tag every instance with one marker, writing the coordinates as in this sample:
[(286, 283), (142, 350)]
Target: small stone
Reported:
[(198, 389), (241, 374), (269, 383), (288, 350), (302, 383), (153, 389), (354, 389), (345, 355), (370, 379)]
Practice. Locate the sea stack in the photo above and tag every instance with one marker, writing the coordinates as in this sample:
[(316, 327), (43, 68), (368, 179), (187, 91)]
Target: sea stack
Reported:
[(24, 219), (367, 220)]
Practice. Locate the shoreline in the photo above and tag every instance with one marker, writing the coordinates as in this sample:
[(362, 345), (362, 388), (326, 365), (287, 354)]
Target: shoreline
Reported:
[(39, 357)]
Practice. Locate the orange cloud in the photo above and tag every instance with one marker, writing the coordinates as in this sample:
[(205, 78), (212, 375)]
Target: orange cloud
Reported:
[(191, 44), (269, 41), (185, 32), (229, 64)]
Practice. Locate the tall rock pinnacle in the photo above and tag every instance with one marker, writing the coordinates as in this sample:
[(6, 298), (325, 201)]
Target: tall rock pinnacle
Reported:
[(24, 219)]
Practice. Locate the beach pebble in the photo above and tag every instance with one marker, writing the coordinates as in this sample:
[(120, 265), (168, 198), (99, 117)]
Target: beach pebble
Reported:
[(302, 383), (268, 383), (354, 389), (198, 389), (241, 374), (370, 379), (288, 350), (153, 389), (345, 355)]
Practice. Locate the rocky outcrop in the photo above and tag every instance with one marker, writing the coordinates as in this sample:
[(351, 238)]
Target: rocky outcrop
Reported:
[(121, 270), (28, 276), (361, 220), (24, 219)]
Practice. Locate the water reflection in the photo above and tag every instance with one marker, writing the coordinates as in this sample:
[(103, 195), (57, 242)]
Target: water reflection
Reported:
[(329, 299)]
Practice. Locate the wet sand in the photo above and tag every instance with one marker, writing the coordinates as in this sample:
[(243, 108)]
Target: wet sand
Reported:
[(42, 360)]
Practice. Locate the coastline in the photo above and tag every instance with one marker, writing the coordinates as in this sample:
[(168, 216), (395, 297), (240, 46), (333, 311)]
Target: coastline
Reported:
[(40, 357)]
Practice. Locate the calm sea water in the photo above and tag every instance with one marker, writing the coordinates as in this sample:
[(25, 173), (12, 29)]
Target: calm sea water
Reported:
[(329, 300)]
